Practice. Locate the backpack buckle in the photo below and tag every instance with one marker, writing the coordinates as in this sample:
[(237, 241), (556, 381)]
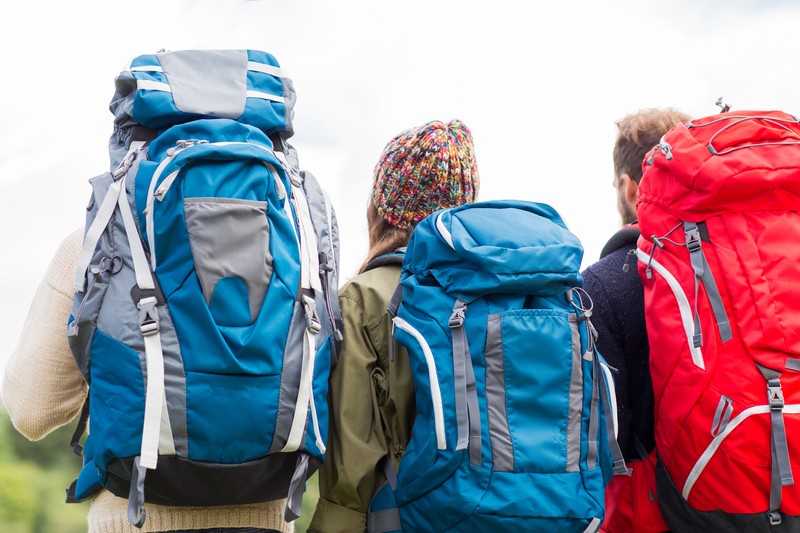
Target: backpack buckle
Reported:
[(312, 322), (457, 317), (774, 518), (775, 395), (148, 316), (693, 240)]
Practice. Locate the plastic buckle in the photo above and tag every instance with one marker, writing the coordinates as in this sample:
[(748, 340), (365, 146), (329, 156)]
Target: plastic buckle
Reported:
[(693, 241), (456, 319), (775, 398), (774, 518), (148, 316), (312, 322)]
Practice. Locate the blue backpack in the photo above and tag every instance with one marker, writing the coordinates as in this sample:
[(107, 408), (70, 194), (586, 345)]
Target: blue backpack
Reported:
[(514, 428), (205, 317)]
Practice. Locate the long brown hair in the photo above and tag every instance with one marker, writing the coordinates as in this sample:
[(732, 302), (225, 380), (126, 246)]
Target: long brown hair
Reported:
[(383, 237)]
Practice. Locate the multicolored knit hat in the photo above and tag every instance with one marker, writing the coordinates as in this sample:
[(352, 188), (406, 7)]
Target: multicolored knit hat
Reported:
[(423, 170)]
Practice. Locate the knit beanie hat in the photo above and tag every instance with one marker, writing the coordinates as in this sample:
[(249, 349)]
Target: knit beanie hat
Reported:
[(423, 170)]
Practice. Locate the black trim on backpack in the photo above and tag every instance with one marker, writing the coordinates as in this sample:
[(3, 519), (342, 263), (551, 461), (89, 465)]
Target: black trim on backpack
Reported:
[(626, 236), (392, 258), (183, 482), (683, 518), (141, 133), (80, 429)]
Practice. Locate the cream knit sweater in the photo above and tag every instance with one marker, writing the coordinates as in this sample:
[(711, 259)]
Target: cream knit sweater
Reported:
[(44, 390)]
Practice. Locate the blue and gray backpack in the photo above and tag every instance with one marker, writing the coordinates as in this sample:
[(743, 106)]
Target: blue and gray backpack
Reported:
[(205, 318), (515, 425)]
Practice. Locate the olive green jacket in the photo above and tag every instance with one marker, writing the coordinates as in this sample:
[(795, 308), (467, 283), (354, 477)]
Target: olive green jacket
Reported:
[(371, 405)]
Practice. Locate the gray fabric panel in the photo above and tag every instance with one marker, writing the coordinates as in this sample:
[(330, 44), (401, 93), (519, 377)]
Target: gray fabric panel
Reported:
[(220, 76), (327, 238), (616, 452), (460, 355), (575, 400), (289, 99), (722, 416), (475, 452), (122, 108), (384, 521), (290, 378), (502, 446), (230, 238), (594, 416)]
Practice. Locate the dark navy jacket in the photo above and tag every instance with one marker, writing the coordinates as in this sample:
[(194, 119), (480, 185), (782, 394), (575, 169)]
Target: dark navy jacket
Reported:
[(618, 316)]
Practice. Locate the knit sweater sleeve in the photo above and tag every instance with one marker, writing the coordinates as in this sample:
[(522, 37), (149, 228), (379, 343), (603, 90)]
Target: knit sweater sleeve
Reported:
[(42, 386)]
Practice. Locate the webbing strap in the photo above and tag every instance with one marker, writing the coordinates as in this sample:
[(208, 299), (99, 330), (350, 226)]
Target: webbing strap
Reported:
[(154, 393), (593, 525), (781, 465), (384, 521), (460, 373), (611, 430), (466, 393), (388, 471), (80, 429), (136, 512), (103, 216), (304, 392), (594, 416), (294, 500), (702, 274), (93, 233)]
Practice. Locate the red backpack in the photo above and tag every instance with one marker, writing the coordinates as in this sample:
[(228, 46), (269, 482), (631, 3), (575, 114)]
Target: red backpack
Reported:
[(719, 255)]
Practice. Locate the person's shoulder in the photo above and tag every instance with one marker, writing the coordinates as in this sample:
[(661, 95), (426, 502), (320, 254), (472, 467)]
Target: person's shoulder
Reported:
[(380, 282), (61, 272), (624, 239)]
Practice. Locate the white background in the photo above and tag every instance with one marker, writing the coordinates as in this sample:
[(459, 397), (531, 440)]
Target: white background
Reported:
[(539, 83)]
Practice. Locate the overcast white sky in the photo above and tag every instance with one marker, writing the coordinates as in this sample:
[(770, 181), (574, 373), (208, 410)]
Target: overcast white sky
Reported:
[(539, 83)]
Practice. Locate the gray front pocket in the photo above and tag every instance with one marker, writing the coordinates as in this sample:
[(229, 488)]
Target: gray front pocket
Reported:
[(229, 238)]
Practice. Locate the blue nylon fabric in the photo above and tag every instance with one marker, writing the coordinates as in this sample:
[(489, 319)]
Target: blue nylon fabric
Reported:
[(537, 392), (500, 247), (207, 347), (117, 393), (89, 479), (230, 418), (322, 369), (515, 259), (157, 110), (219, 352), (230, 303)]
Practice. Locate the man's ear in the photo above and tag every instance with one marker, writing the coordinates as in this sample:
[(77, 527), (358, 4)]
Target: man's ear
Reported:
[(631, 190)]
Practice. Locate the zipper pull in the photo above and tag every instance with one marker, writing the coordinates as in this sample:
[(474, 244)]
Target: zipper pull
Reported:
[(664, 148), (626, 267), (657, 244)]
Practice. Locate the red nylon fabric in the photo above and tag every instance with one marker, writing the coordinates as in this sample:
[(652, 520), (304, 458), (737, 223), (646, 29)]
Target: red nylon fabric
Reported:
[(749, 200), (631, 504)]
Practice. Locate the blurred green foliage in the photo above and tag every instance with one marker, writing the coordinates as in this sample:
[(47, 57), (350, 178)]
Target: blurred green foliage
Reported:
[(33, 476)]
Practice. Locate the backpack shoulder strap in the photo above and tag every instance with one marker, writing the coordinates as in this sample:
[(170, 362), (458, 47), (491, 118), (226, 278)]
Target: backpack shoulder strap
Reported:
[(392, 258), (626, 236)]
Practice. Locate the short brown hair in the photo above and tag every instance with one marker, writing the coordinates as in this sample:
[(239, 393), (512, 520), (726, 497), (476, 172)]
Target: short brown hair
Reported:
[(637, 134)]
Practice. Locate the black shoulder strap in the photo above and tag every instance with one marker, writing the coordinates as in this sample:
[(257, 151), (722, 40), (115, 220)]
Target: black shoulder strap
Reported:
[(626, 236), (392, 258)]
